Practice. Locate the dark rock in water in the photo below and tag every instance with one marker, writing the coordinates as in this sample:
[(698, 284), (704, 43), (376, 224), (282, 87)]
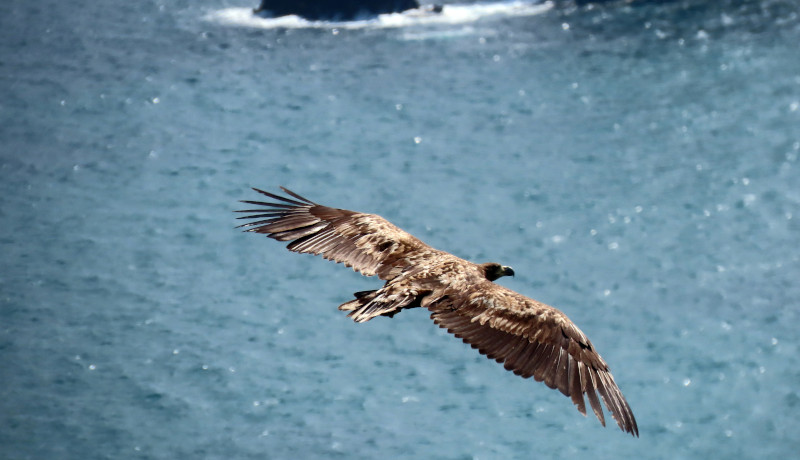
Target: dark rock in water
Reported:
[(587, 2), (336, 10)]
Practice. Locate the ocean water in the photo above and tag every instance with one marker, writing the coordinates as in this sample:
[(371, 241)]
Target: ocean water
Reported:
[(637, 165)]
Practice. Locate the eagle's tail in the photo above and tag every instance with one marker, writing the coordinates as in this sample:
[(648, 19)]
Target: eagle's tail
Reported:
[(369, 304)]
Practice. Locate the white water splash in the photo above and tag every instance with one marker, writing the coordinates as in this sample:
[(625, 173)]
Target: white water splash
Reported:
[(450, 14)]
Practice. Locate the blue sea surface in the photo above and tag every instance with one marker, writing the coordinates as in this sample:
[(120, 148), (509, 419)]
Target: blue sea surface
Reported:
[(637, 165)]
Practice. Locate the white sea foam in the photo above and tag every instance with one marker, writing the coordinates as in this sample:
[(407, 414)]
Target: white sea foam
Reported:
[(451, 14)]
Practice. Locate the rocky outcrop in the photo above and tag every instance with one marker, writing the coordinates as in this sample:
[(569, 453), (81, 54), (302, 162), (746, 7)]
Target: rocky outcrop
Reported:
[(333, 10)]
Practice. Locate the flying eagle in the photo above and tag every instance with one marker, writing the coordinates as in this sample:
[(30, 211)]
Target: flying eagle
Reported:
[(530, 338)]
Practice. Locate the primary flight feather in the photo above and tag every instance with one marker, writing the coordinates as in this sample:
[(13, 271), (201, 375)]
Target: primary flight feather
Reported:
[(530, 338)]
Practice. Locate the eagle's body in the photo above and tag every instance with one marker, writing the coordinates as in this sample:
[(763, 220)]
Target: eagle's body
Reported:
[(530, 338)]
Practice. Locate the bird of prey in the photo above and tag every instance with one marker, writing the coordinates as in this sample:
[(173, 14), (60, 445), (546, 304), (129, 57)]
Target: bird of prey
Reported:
[(528, 337)]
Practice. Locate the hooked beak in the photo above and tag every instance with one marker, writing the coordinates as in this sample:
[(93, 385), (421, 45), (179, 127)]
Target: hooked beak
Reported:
[(508, 271)]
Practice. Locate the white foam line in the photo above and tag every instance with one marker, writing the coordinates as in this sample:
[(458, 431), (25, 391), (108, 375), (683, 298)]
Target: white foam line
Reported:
[(451, 14)]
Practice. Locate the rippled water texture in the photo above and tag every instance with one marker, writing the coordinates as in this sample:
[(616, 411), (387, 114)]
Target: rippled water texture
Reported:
[(637, 165)]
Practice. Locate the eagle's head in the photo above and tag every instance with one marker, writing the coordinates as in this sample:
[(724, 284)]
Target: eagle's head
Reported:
[(494, 270)]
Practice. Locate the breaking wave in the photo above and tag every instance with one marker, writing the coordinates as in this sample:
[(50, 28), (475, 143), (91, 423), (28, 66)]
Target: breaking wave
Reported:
[(450, 14)]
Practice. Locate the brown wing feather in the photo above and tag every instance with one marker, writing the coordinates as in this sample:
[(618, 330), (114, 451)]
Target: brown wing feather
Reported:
[(534, 340), (367, 242)]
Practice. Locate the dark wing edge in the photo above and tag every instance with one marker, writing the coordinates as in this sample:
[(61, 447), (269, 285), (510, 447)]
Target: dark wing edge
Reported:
[(368, 243), (535, 340)]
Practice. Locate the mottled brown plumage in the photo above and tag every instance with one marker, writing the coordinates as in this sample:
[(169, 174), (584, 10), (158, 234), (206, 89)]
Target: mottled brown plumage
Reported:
[(528, 337)]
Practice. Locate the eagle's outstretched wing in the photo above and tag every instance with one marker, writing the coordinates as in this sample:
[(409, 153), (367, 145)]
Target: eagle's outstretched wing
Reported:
[(367, 242), (534, 340)]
